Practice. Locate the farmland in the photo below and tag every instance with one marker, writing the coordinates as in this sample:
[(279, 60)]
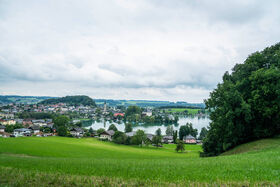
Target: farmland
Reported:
[(192, 111), (58, 161)]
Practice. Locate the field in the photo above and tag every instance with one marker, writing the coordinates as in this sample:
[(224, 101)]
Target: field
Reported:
[(179, 110), (58, 161)]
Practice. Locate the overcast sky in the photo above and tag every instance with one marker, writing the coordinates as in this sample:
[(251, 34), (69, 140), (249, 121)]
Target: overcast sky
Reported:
[(173, 50)]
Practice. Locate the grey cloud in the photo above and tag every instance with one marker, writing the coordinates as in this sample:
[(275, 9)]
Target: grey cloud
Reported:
[(134, 49)]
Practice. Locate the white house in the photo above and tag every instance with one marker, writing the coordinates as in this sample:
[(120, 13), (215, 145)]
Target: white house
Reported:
[(2, 128), (78, 132), (107, 135), (35, 129), (22, 132), (189, 139), (167, 139)]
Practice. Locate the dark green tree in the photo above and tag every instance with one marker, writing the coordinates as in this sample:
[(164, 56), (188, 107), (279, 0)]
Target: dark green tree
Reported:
[(62, 131), (112, 127), (246, 105), (187, 130), (128, 127), (158, 132), (79, 124), (119, 137), (169, 130), (139, 138), (90, 130), (175, 136), (133, 110), (99, 131), (157, 140), (61, 121), (203, 133), (180, 146)]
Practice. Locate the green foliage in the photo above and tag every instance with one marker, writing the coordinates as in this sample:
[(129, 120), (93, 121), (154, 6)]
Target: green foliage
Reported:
[(180, 146), (158, 132), (11, 128), (175, 136), (187, 130), (128, 127), (112, 127), (61, 121), (79, 124), (119, 137), (157, 140), (35, 115), (99, 131), (169, 130), (62, 131), (132, 110), (139, 138), (203, 133), (246, 105), (90, 130), (45, 129), (71, 100)]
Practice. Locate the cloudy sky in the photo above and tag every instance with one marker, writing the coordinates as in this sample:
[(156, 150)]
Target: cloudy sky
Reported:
[(129, 49)]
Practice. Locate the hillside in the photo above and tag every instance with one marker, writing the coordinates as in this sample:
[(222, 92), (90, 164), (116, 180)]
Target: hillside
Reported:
[(71, 100), (6, 99), (148, 103), (255, 146), (57, 161)]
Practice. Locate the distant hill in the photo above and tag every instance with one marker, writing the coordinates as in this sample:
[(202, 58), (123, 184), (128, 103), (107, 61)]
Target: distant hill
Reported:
[(6, 99), (148, 103), (71, 100)]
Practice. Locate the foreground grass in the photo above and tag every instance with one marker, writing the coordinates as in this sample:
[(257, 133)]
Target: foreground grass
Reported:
[(83, 162)]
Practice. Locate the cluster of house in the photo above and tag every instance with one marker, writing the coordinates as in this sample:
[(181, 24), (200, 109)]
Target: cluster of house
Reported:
[(36, 130), (79, 132), (33, 130), (9, 111), (108, 135)]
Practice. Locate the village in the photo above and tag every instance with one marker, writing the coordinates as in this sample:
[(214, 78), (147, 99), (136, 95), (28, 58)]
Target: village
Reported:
[(17, 120)]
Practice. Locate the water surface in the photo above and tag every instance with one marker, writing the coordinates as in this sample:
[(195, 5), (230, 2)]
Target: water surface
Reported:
[(197, 122)]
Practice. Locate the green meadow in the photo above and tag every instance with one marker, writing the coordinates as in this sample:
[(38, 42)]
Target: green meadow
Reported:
[(58, 161), (191, 111)]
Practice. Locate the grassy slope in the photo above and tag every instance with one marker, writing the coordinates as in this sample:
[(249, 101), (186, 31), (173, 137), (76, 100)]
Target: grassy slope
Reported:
[(86, 160), (264, 145)]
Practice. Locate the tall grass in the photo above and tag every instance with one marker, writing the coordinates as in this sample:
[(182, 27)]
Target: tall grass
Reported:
[(131, 165)]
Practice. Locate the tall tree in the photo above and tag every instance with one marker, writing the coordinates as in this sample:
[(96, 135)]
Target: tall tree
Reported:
[(246, 105), (139, 137), (158, 132), (128, 127), (61, 121), (187, 130), (180, 146), (175, 136), (157, 140), (169, 130), (203, 133), (112, 127)]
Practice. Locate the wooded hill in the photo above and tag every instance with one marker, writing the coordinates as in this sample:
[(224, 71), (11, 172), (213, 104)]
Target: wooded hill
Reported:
[(71, 100)]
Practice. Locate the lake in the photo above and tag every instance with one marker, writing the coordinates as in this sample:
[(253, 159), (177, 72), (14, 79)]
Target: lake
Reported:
[(197, 122)]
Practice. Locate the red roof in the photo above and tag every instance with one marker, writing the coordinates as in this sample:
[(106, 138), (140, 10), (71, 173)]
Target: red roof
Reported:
[(118, 114)]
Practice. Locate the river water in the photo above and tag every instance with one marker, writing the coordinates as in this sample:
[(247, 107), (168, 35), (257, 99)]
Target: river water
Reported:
[(197, 122)]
